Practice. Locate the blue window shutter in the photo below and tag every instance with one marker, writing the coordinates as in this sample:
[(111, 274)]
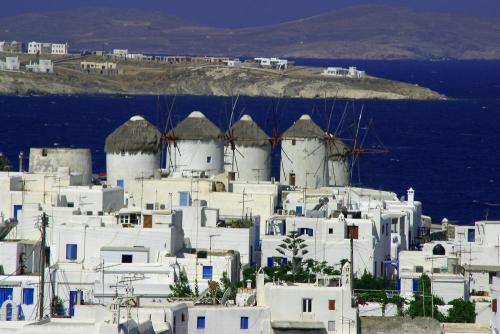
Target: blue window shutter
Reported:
[(8, 312), (270, 261), (284, 260), (71, 252), (415, 285), (207, 272), (6, 294), (310, 232), (200, 322), (183, 198), (244, 323), (120, 183), (298, 210), (28, 296)]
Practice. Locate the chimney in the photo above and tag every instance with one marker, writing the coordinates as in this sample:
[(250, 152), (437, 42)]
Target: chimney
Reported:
[(411, 196), (259, 283), (21, 158)]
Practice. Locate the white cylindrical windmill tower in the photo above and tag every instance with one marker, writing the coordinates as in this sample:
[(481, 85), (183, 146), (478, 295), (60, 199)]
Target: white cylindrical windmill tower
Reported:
[(248, 151), (338, 162), (304, 155), (132, 151), (196, 146)]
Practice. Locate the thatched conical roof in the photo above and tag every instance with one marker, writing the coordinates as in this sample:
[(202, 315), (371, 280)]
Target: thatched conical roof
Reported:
[(136, 135), (304, 127), (246, 132), (196, 127)]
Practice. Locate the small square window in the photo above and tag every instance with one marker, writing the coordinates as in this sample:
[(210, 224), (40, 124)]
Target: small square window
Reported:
[(331, 305), (330, 231), (293, 142), (331, 326), (150, 206), (71, 252), (209, 159), (200, 323), (127, 258), (207, 272), (244, 323)]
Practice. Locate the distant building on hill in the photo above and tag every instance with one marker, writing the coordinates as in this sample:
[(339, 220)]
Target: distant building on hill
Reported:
[(102, 68), (43, 66), (10, 64), (340, 72), (11, 47), (48, 48)]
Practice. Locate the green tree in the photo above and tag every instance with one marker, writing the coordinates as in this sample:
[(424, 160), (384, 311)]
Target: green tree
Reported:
[(181, 288), (368, 282), (5, 164), (463, 311), (293, 247), (422, 302)]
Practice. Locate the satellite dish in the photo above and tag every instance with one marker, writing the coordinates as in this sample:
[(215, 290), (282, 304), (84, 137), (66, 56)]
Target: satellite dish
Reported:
[(225, 296), (201, 296), (250, 301)]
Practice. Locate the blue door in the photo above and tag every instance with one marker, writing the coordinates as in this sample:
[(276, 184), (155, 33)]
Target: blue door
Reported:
[(270, 262), (298, 210), (471, 235), (8, 312), (73, 295), (415, 285), (120, 184), (16, 210)]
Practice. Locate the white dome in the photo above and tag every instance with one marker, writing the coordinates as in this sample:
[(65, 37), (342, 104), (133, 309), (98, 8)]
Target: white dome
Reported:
[(136, 118), (246, 117), (305, 117), (196, 114)]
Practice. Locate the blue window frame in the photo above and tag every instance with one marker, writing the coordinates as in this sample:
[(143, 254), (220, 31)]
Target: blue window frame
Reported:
[(71, 252), (207, 272), (28, 294), (120, 184), (16, 210), (270, 261), (200, 322), (284, 260), (244, 323), (310, 232), (298, 210)]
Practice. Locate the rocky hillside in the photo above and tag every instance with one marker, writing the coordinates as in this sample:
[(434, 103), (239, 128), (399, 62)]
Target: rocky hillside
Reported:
[(369, 32)]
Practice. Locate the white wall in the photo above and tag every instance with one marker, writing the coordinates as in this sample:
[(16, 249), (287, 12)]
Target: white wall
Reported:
[(192, 155), (251, 163), (129, 167), (307, 156)]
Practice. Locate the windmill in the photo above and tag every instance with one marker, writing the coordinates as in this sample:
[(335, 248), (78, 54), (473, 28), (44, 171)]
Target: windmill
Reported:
[(168, 139)]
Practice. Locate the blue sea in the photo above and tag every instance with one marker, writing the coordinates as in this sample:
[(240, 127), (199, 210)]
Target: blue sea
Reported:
[(445, 150)]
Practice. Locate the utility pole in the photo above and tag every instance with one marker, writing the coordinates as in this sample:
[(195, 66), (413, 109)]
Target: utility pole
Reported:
[(351, 274), (45, 223)]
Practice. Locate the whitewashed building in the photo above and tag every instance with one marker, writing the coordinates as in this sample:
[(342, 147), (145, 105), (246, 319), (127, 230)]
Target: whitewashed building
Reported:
[(248, 151), (132, 151), (10, 64), (304, 155), (340, 72), (43, 66), (196, 147)]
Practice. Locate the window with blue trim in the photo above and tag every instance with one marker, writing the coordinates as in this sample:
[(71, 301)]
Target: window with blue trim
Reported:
[(28, 296), (71, 252), (270, 261), (200, 322), (284, 260), (244, 323), (415, 285), (207, 272)]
